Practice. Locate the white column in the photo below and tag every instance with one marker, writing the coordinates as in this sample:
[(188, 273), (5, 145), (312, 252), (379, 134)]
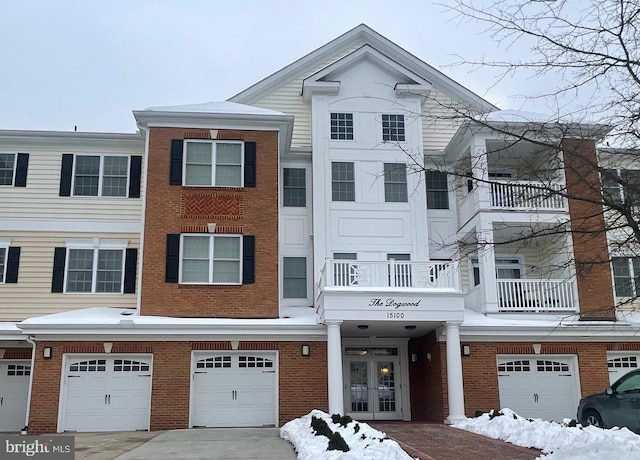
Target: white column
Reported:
[(480, 171), (454, 374), (487, 265), (334, 368)]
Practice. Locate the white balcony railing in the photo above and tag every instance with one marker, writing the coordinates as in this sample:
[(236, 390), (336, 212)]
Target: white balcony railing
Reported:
[(535, 295), (526, 195), (390, 274)]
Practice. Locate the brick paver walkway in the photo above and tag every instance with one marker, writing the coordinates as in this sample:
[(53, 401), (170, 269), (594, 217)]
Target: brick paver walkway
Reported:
[(433, 441)]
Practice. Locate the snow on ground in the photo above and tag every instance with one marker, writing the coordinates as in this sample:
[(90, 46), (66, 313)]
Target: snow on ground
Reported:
[(557, 441), (364, 442)]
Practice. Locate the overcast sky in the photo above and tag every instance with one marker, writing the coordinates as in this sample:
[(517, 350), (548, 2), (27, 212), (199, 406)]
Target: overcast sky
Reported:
[(90, 63)]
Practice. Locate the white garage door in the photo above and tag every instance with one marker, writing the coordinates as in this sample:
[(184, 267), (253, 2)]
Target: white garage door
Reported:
[(233, 389), (619, 363), (14, 391), (543, 387), (106, 393)]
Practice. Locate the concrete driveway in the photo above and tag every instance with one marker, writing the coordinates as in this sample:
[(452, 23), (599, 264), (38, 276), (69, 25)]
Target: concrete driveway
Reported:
[(194, 444)]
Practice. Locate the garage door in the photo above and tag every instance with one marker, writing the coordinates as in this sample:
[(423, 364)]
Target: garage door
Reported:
[(233, 389), (106, 393), (619, 363), (14, 391), (539, 387)]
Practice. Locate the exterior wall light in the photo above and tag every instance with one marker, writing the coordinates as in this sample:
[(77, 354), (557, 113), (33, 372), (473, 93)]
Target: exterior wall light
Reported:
[(414, 357), (466, 350), (47, 353), (304, 351)]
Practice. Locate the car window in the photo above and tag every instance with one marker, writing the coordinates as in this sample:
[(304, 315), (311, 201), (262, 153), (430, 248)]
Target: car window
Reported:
[(630, 384)]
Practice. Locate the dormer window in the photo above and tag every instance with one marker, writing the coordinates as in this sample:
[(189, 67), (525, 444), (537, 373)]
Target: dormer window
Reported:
[(393, 128), (342, 126)]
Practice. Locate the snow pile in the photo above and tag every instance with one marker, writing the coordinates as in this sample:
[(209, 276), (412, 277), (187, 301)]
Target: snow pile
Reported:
[(557, 441), (364, 442)]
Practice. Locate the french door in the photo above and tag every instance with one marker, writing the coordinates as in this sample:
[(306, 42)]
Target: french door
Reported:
[(373, 387)]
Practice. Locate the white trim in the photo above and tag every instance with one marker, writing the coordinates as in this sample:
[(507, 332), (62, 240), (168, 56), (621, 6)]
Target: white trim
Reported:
[(16, 225), (361, 34), (96, 245), (67, 357), (214, 161), (15, 168), (3, 280), (274, 353), (402, 343), (102, 156), (212, 238)]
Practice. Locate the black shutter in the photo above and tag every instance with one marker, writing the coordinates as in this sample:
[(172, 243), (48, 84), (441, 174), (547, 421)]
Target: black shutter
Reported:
[(130, 262), (248, 259), (57, 280), (249, 164), (66, 175), (135, 173), (13, 263), (173, 258), (21, 170), (175, 173)]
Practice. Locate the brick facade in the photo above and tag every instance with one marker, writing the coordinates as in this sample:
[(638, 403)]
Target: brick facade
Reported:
[(302, 384), (480, 376), (172, 209), (593, 271)]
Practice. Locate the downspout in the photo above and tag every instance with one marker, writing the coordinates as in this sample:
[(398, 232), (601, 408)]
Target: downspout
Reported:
[(33, 359)]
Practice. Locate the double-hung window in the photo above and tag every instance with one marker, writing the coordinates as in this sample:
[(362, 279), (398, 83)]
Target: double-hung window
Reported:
[(211, 259), (7, 168), (3, 263), (294, 187), (343, 186), (621, 186), (213, 163), (95, 270), (342, 126), (626, 276), (294, 277), (101, 175), (437, 190), (395, 182), (393, 128)]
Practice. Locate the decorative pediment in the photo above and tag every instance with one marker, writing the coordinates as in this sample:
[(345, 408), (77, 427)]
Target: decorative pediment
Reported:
[(327, 80)]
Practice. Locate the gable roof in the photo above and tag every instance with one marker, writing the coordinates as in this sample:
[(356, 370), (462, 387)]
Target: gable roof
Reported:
[(358, 35)]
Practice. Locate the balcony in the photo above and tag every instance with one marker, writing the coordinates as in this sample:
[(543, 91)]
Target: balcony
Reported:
[(389, 290), (521, 196), (539, 296), (526, 195)]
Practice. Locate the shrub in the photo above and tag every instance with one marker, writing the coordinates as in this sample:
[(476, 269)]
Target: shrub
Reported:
[(320, 427), (356, 428), (337, 442)]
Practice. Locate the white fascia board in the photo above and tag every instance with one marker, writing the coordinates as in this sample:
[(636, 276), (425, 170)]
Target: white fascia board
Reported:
[(247, 122), (63, 139), (173, 332), (363, 33), (601, 332), (15, 225)]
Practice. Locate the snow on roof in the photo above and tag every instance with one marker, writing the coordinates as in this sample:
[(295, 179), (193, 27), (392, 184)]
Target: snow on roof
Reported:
[(516, 116), (8, 328), (115, 316), (221, 107)]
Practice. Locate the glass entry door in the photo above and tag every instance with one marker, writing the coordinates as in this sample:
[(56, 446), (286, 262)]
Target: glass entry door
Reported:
[(373, 386)]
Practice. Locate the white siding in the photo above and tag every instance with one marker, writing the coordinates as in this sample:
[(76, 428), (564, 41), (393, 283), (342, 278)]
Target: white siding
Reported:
[(32, 296), (288, 99), (40, 199), (437, 126)]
